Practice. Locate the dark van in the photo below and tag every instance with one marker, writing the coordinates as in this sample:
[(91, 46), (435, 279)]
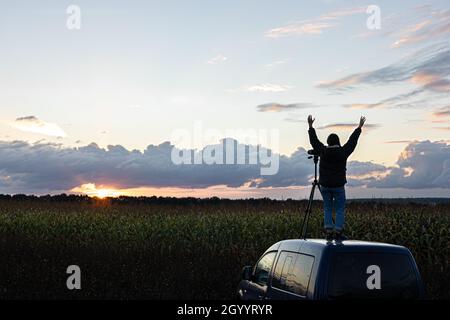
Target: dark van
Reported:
[(315, 269)]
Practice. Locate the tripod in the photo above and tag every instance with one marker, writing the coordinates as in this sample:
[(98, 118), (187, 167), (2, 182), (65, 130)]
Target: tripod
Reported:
[(308, 210)]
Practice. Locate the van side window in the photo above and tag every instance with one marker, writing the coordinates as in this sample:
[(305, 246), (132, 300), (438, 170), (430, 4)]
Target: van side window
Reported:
[(262, 269), (292, 272), (351, 276)]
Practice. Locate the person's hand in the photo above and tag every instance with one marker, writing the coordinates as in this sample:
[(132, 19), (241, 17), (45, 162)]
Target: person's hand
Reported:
[(310, 121), (361, 122)]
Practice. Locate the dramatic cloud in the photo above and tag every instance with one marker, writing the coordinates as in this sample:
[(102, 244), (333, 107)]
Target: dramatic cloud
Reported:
[(358, 168), (44, 168), (278, 107), (313, 26), (422, 164), (295, 170), (363, 173), (34, 125)]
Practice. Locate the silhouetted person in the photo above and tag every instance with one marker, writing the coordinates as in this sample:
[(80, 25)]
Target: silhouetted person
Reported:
[(332, 175)]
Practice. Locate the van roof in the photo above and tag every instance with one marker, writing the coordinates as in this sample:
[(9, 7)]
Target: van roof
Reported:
[(347, 243), (319, 245)]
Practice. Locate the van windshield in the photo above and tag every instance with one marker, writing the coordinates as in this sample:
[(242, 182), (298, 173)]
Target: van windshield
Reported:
[(372, 275)]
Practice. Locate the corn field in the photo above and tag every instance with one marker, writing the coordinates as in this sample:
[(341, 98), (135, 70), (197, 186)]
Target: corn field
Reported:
[(192, 249)]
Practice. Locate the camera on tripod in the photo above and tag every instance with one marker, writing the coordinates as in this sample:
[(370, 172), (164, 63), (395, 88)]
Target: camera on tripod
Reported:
[(313, 152)]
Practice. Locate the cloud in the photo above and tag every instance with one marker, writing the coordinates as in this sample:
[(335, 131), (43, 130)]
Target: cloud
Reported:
[(347, 126), (51, 168), (423, 78), (400, 100), (423, 164), (34, 125), (431, 81), (428, 68), (278, 107), (361, 173), (91, 189), (217, 59), (268, 87), (48, 167), (423, 25), (299, 28), (412, 34), (346, 82), (439, 85), (358, 168), (313, 26), (436, 25), (442, 113), (364, 105)]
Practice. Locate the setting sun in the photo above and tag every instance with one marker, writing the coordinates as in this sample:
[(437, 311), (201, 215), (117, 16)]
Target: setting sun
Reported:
[(91, 190), (105, 193)]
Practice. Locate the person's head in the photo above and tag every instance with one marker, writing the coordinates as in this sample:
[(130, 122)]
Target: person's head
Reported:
[(333, 140)]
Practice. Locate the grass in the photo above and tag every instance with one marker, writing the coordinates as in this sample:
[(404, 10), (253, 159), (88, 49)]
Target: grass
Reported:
[(186, 249)]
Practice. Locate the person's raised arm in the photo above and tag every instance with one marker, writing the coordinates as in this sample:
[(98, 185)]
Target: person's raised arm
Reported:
[(316, 144), (350, 146)]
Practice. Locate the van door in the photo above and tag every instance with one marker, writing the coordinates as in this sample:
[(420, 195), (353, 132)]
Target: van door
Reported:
[(256, 289), (291, 276)]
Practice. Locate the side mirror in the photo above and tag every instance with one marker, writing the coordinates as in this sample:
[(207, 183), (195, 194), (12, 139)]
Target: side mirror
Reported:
[(247, 273)]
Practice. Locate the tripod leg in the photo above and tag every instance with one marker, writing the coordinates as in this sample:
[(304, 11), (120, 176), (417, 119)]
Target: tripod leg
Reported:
[(302, 229), (308, 211)]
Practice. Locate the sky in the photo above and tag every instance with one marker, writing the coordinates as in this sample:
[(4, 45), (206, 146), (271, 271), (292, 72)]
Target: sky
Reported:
[(96, 96)]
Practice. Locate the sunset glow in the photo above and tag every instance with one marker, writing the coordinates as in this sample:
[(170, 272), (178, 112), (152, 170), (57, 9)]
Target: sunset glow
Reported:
[(91, 190)]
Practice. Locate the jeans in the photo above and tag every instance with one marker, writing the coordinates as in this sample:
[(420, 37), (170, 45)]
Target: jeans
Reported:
[(333, 197)]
